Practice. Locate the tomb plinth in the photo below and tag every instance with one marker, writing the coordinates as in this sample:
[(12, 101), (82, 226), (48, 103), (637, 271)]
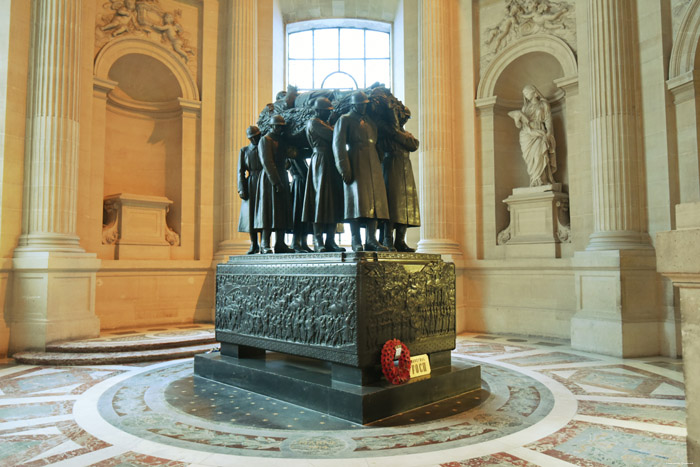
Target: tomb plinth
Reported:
[(137, 226), (539, 222), (326, 317)]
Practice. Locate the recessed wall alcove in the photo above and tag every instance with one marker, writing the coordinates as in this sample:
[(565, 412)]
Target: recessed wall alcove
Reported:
[(147, 107), (547, 63)]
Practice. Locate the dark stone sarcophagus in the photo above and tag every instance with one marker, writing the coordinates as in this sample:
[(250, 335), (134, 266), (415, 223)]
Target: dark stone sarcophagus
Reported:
[(326, 317), (339, 308)]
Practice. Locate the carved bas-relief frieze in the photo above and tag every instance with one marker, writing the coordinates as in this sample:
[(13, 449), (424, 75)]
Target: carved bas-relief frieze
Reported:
[(137, 226), (337, 307), (145, 19), (528, 17)]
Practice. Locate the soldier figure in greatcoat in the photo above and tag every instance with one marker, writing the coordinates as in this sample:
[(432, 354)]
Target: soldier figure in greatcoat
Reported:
[(355, 151), (323, 202)]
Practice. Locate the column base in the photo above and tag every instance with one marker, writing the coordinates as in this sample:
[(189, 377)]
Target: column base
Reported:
[(53, 298), (440, 246), (46, 241), (619, 240), (618, 311), (230, 248)]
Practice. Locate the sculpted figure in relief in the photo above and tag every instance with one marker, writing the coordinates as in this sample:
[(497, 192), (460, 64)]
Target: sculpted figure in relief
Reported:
[(536, 136), (171, 31), (123, 17)]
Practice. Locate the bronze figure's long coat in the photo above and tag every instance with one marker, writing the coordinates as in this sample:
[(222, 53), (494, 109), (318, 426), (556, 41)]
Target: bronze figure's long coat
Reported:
[(401, 191), (248, 184), (323, 202), (360, 167), (274, 208)]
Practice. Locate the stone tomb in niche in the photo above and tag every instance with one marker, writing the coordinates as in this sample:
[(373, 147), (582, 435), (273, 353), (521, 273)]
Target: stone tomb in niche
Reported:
[(309, 329), (539, 222), (137, 226)]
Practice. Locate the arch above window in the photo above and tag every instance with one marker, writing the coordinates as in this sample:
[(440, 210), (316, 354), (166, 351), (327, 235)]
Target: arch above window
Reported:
[(347, 54)]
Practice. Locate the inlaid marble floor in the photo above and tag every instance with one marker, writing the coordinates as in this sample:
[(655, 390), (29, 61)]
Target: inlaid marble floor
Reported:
[(541, 404)]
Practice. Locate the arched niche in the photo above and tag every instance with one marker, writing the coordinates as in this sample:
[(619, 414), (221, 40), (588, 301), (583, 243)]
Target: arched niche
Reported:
[(684, 85), (146, 128), (549, 64)]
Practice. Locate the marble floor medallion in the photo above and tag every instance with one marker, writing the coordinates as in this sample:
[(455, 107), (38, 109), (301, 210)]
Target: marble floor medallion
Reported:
[(168, 406), (541, 403)]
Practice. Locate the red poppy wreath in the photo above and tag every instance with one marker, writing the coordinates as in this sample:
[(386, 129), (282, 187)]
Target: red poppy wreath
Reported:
[(396, 374)]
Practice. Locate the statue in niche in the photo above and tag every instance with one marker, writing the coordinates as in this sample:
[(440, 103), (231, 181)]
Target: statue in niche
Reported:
[(323, 201), (401, 190), (172, 32), (274, 210), (536, 136), (355, 151), (123, 19), (249, 172)]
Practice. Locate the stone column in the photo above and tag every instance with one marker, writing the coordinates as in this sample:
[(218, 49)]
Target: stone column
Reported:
[(616, 283), (435, 128), (241, 111), (54, 279), (618, 201)]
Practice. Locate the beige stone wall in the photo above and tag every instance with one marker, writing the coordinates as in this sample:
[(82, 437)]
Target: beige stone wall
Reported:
[(178, 149)]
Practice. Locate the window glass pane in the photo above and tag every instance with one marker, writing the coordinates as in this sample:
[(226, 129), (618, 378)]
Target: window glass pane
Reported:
[(300, 74), (339, 80), (300, 45), (352, 43), (378, 44), (378, 70), (356, 68), (326, 43), (323, 68)]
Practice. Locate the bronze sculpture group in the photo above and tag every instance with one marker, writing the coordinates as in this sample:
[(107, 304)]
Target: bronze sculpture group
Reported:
[(359, 172)]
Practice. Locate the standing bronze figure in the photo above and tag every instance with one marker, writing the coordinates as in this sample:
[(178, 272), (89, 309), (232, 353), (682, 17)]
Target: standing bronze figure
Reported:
[(299, 170), (402, 194), (355, 150), (249, 172), (274, 210), (323, 202)]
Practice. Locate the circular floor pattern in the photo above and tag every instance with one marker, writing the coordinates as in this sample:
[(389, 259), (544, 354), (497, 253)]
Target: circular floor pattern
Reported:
[(168, 406)]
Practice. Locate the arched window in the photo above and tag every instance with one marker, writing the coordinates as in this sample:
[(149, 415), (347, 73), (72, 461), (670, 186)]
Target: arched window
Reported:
[(338, 54)]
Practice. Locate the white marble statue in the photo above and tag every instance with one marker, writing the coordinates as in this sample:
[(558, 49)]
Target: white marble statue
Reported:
[(536, 136)]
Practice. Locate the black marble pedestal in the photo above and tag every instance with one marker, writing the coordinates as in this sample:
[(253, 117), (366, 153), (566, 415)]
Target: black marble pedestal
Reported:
[(309, 383), (336, 309)]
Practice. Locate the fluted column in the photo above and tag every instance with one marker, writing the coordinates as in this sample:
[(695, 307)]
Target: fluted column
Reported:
[(241, 111), (53, 128), (53, 278), (618, 199), (436, 119)]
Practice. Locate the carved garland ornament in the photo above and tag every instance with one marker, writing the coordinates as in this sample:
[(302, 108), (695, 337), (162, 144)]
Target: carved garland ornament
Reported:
[(526, 17), (144, 18)]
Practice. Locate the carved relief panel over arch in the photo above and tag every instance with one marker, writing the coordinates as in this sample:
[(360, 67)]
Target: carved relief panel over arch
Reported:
[(546, 64)]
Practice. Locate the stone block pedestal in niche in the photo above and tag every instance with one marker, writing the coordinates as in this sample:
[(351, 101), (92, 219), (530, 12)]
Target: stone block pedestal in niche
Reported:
[(539, 222), (137, 226), (330, 314)]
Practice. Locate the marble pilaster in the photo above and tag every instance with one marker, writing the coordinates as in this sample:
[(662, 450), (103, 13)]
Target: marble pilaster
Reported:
[(240, 112), (53, 278), (435, 127), (617, 309)]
